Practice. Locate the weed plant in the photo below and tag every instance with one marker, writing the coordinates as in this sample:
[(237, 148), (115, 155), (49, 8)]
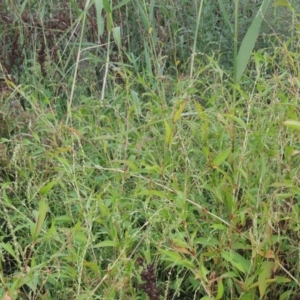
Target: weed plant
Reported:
[(146, 168)]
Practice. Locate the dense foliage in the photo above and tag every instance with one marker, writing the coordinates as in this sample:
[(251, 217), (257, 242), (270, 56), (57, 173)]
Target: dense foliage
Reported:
[(139, 160)]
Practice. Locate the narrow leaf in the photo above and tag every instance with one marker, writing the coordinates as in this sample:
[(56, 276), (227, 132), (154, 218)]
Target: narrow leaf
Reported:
[(284, 3), (129, 163), (136, 102), (122, 3), (9, 249), (221, 158), (106, 5), (117, 36), (236, 261), (265, 274), (80, 237), (292, 124), (152, 193), (250, 40), (63, 219), (43, 207), (178, 113), (105, 244), (236, 119), (225, 15), (143, 14), (75, 7), (178, 259), (109, 22), (46, 188), (220, 292), (168, 133), (100, 22)]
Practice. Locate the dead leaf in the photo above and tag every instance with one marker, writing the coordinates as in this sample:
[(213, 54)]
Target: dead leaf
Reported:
[(6, 296)]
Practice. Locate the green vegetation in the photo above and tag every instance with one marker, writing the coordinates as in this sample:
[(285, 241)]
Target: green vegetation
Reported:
[(149, 149)]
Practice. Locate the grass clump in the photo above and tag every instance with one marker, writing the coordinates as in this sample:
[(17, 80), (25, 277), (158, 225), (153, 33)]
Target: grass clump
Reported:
[(132, 172)]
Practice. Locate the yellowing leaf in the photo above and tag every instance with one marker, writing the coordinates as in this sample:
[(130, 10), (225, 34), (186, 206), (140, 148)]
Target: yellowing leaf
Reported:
[(178, 113), (180, 246), (284, 3), (292, 124), (168, 133), (266, 272), (6, 296), (269, 254)]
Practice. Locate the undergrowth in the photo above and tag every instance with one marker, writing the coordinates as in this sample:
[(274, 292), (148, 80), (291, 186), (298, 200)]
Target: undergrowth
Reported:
[(129, 178)]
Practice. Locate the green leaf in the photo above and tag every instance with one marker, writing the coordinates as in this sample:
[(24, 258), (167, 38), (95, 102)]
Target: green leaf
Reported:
[(76, 7), (122, 3), (93, 266), (286, 295), (238, 120), (105, 244), (5, 197), (173, 256), (51, 231), (280, 279), (152, 193), (221, 158), (168, 133), (80, 237), (220, 292), (106, 5), (266, 268), (241, 260), (207, 241), (129, 163), (109, 22), (9, 249), (219, 226), (292, 124), (117, 36), (46, 188), (177, 259), (237, 261), (143, 14), (225, 15), (43, 208), (100, 24), (63, 219), (136, 102), (249, 40), (203, 270)]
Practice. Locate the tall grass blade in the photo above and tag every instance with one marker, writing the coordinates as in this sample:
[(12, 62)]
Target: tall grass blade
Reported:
[(225, 15), (249, 40), (195, 38), (100, 24), (143, 14)]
